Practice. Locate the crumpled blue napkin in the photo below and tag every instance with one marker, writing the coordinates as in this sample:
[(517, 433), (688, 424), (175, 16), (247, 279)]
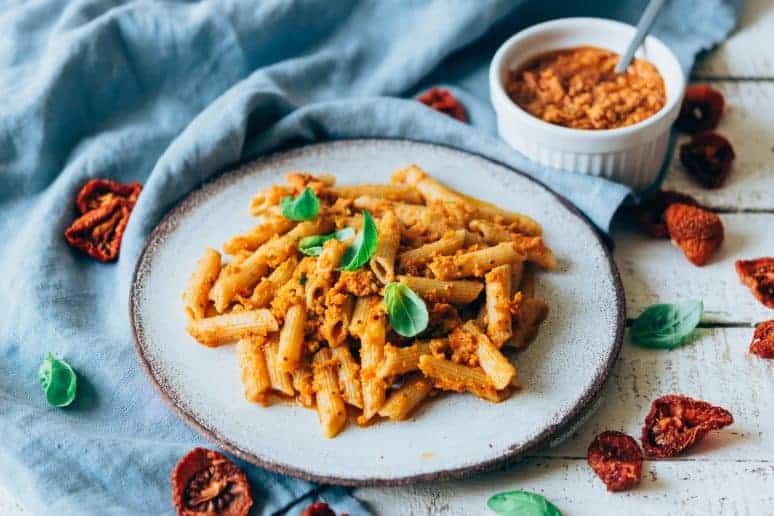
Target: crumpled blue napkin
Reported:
[(167, 94)]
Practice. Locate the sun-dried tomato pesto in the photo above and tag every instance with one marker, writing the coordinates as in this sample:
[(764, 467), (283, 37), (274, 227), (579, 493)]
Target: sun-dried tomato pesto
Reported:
[(578, 88)]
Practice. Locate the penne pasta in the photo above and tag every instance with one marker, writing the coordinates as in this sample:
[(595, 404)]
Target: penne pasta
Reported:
[(474, 263), (449, 376), (281, 381), (322, 278), (490, 232), (196, 295), (270, 198), (257, 236), (455, 292), (408, 214), (291, 338), (303, 384), (496, 366), (498, 309), (371, 356), (401, 193), (349, 377), (330, 404), (448, 244), (383, 261), (253, 370), (535, 251), (531, 313), (265, 290), (360, 315), (226, 328), (402, 360), (402, 402), (337, 320)]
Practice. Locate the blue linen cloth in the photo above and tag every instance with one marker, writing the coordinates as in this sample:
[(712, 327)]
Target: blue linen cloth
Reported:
[(167, 94)]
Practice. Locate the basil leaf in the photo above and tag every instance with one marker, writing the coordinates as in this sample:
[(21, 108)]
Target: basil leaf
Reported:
[(521, 503), (363, 247), (313, 245), (304, 207), (405, 309), (666, 326), (58, 380)]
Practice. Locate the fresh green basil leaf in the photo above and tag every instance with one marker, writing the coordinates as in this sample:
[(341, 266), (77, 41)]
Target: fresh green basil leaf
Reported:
[(666, 326), (521, 503), (363, 246), (304, 207), (406, 310), (313, 245), (58, 380), (302, 279)]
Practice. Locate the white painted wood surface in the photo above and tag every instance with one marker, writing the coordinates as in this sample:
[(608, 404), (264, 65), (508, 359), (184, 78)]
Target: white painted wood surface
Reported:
[(732, 471)]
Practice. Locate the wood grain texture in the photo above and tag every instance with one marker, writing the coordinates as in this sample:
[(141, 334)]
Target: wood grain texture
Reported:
[(747, 125), (749, 52), (668, 488), (655, 271)]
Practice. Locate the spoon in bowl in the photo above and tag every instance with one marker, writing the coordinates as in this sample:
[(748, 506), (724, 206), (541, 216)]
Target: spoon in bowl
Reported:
[(643, 28)]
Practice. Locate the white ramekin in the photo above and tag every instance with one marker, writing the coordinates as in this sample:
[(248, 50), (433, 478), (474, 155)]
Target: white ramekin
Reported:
[(632, 155)]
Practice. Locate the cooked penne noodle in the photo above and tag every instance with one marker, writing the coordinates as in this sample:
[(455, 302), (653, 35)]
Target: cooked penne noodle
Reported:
[(401, 403), (196, 295), (236, 279), (402, 360), (265, 290), (474, 263), (455, 292), (371, 356), (303, 384), (535, 251), (253, 370), (291, 338), (281, 381), (308, 330), (330, 404), (337, 320), (383, 260), (402, 193), (496, 366), (498, 309), (448, 244), (449, 376), (259, 235), (349, 377), (226, 328), (490, 232)]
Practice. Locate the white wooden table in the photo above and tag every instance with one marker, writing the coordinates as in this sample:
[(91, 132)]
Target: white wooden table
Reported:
[(732, 471)]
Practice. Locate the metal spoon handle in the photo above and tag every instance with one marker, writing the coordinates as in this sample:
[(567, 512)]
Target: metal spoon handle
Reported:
[(643, 27)]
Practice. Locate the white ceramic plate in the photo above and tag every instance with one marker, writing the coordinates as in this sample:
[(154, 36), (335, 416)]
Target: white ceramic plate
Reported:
[(452, 436)]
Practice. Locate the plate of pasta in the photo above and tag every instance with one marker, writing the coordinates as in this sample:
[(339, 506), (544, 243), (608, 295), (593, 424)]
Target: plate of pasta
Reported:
[(376, 312)]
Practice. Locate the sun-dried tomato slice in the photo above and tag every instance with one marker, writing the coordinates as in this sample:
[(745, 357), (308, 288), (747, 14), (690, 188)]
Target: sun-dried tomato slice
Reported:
[(442, 100), (98, 232), (763, 340), (616, 458), (698, 232), (319, 509), (98, 192), (758, 274), (707, 157), (205, 482), (650, 213), (676, 422), (701, 109)]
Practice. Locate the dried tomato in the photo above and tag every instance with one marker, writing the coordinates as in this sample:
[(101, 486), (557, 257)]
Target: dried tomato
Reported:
[(758, 274), (205, 482), (98, 192), (650, 213), (701, 109), (442, 100), (318, 509), (675, 423), (617, 459), (98, 232), (707, 157), (696, 231), (763, 340)]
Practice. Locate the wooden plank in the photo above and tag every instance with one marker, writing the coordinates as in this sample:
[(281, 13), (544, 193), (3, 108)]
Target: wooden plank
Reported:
[(668, 488), (749, 51), (715, 367), (746, 124), (654, 271)]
